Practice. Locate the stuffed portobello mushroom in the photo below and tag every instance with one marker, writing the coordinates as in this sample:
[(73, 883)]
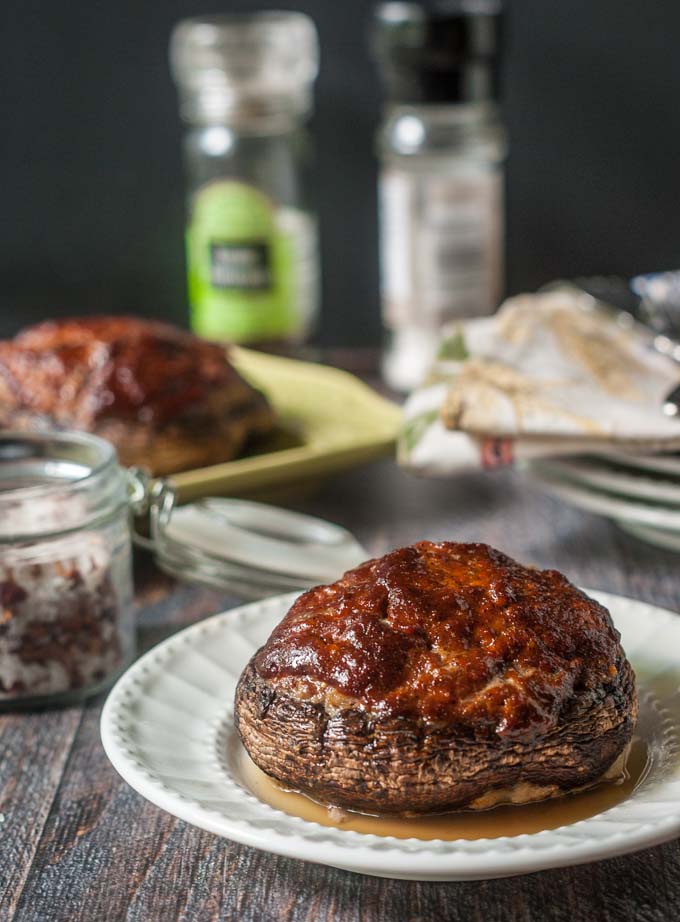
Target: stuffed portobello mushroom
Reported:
[(439, 677)]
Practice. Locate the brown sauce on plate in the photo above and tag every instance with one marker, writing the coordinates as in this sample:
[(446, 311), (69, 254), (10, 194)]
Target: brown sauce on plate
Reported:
[(505, 820)]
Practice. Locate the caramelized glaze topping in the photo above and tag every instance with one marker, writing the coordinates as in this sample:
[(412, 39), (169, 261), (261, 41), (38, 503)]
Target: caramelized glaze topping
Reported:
[(111, 367), (455, 634)]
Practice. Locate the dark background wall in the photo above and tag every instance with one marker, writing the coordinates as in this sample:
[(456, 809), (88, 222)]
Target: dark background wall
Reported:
[(92, 217)]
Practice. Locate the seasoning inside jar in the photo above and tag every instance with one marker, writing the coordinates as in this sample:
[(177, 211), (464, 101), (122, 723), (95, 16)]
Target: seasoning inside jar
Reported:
[(66, 628)]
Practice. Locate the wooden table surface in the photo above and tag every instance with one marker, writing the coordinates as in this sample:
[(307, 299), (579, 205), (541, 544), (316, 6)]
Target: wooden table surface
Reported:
[(78, 844)]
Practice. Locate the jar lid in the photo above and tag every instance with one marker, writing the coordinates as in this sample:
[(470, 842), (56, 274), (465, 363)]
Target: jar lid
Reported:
[(447, 52), (236, 66), (250, 549)]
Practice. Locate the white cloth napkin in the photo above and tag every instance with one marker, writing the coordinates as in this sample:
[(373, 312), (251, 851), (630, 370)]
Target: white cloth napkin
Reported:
[(549, 374)]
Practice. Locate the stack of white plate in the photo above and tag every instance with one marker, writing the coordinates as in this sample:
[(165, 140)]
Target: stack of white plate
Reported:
[(640, 492)]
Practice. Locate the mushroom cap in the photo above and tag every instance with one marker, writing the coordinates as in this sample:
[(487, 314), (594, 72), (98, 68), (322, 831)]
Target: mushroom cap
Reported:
[(439, 676)]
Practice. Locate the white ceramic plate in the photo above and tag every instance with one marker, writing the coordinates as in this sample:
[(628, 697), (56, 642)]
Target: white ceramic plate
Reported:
[(607, 476), (617, 507), (660, 464), (659, 537), (167, 728)]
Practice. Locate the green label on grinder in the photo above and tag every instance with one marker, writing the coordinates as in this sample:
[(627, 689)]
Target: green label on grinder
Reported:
[(240, 265)]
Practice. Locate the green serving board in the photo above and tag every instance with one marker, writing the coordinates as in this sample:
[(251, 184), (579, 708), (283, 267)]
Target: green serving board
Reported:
[(328, 420)]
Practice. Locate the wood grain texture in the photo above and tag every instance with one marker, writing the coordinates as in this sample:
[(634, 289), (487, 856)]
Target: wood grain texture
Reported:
[(33, 752), (79, 845)]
